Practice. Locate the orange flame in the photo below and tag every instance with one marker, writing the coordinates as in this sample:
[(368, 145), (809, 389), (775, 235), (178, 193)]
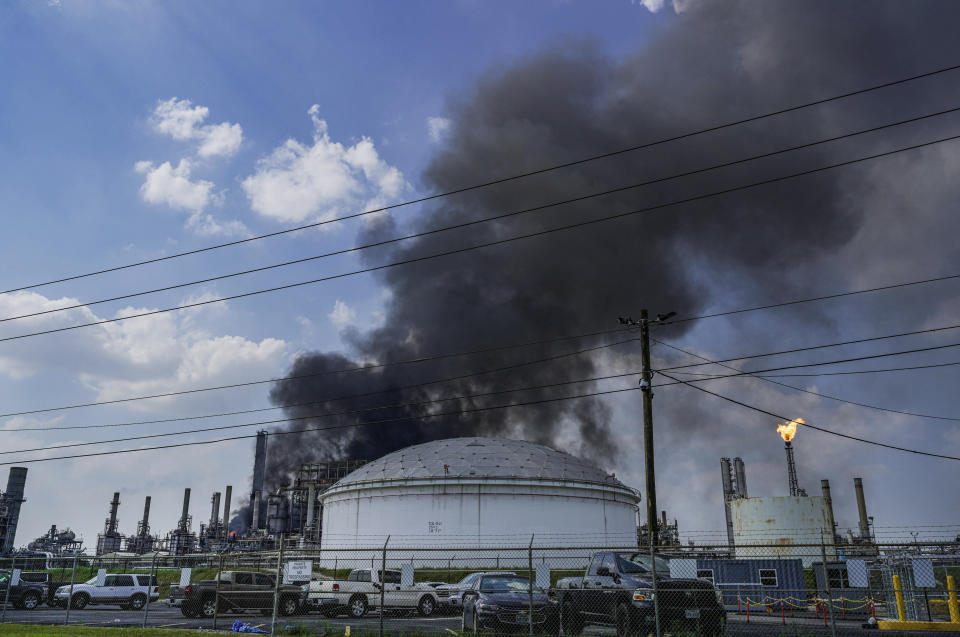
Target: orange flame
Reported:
[(788, 430)]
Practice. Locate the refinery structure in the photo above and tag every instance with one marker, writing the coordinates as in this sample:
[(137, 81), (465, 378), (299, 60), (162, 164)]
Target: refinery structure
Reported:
[(457, 492)]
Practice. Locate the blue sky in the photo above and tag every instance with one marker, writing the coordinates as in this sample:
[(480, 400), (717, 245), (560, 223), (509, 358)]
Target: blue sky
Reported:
[(82, 83), (131, 131)]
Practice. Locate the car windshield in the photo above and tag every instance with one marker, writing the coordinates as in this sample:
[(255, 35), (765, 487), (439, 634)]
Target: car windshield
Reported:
[(640, 563), (91, 581), (505, 584)]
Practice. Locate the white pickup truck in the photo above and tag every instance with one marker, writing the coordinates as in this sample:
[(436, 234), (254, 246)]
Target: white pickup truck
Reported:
[(361, 591)]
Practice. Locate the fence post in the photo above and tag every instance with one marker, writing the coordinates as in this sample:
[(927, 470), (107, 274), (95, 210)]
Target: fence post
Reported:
[(146, 607), (216, 593), (530, 583), (73, 575), (826, 581), (383, 577), (276, 587), (6, 597)]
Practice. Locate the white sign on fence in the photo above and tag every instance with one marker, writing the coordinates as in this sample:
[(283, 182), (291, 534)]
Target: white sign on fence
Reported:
[(923, 573), (857, 573), (185, 576), (101, 576), (543, 576), (683, 569), (297, 571), (15, 578), (406, 575)]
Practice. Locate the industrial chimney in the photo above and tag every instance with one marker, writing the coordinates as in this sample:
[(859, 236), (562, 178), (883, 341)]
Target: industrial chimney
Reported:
[(184, 517), (862, 509), (825, 489), (112, 520), (226, 510), (259, 469), (145, 523), (214, 510), (11, 499)]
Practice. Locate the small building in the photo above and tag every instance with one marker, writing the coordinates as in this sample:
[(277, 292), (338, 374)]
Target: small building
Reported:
[(758, 581)]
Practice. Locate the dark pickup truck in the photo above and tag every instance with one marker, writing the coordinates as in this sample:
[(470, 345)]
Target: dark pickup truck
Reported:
[(617, 590), (28, 595), (239, 591)]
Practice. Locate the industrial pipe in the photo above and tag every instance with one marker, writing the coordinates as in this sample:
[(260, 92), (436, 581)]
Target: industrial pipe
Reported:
[(862, 508), (114, 505), (214, 509), (226, 510), (257, 496), (825, 489), (186, 508), (146, 514)]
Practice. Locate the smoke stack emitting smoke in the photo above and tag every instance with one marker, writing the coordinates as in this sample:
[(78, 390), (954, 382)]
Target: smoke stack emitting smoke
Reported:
[(713, 63)]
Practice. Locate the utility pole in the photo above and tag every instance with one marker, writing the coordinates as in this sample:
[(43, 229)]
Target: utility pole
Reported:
[(646, 388)]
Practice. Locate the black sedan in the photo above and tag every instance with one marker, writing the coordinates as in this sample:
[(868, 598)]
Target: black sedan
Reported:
[(502, 603)]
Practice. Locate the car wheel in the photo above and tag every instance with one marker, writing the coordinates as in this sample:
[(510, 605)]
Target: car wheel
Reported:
[(358, 606), (623, 623), (208, 607), (288, 606), (570, 619), (427, 606), (137, 602), (30, 600), (79, 601)]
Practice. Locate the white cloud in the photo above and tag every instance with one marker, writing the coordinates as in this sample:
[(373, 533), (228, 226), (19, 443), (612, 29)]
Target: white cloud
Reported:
[(342, 314), (183, 121), (653, 6), (151, 354), (165, 184), (207, 225), (299, 182), (437, 127)]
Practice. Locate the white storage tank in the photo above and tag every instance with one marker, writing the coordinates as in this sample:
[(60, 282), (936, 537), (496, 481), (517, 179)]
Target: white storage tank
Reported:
[(478, 492), (782, 527)]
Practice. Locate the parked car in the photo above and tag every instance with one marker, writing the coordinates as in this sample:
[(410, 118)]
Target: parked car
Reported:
[(503, 603), (26, 595), (617, 590), (238, 591), (361, 591), (128, 591), (452, 594)]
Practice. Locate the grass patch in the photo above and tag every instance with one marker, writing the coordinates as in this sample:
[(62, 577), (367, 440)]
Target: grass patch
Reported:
[(20, 630)]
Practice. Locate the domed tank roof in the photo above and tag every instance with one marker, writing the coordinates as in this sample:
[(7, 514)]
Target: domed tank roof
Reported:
[(478, 458)]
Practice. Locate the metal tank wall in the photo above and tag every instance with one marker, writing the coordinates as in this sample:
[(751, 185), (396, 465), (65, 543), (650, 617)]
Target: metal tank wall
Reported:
[(784, 527), (485, 512)]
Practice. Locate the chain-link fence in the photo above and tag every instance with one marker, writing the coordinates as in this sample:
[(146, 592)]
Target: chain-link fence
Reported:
[(379, 589)]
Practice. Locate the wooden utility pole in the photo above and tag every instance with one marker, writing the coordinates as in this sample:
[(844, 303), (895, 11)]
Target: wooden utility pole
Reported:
[(646, 388)]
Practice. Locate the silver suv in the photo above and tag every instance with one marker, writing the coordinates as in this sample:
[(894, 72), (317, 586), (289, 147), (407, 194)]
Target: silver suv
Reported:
[(125, 591)]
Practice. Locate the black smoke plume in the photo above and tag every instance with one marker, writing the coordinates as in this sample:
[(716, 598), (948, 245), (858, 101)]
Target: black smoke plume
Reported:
[(714, 62)]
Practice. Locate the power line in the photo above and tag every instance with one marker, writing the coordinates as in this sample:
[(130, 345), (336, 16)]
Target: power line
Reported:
[(488, 244), (839, 344), (474, 222), (502, 180), (330, 428), (329, 373), (811, 392), (326, 415), (825, 297), (802, 365), (811, 426), (425, 359)]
